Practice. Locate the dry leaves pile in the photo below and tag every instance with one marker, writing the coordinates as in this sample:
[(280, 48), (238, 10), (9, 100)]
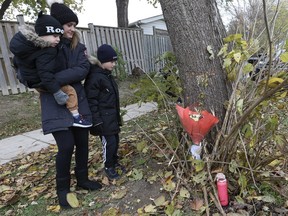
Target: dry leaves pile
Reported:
[(24, 181), (149, 187)]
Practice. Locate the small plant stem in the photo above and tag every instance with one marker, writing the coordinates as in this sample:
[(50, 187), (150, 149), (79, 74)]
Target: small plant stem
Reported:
[(250, 168), (204, 189)]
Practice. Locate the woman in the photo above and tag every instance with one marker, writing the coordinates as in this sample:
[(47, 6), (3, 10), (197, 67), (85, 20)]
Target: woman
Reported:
[(72, 67)]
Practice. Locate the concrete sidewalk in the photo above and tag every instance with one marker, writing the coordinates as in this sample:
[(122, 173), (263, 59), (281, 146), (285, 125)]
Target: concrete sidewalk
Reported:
[(17, 146)]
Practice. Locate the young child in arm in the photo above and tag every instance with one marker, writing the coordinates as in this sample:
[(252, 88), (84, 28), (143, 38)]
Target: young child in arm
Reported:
[(35, 52)]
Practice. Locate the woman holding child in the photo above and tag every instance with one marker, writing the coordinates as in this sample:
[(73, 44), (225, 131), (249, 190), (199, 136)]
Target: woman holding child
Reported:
[(73, 67)]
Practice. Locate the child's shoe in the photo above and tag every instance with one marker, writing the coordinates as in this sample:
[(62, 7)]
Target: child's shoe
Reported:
[(79, 121), (111, 173)]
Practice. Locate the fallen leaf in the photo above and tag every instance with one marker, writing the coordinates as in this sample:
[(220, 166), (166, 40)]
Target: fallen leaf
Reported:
[(150, 208), (55, 209), (140, 146), (119, 194), (111, 212), (266, 198), (135, 175), (168, 174), (159, 201), (5, 188), (196, 204), (169, 185), (72, 200), (152, 179), (184, 193), (24, 166)]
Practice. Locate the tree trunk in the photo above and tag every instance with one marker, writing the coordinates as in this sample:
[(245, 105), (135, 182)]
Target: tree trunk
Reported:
[(193, 26), (5, 5), (122, 13)]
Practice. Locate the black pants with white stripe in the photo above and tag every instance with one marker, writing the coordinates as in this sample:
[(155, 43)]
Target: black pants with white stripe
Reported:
[(110, 145)]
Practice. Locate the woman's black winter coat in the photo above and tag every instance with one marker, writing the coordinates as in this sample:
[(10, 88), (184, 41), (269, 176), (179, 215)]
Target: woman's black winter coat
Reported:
[(103, 98), (72, 66)]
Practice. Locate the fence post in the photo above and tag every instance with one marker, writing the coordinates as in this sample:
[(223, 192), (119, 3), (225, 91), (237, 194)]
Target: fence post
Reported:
[(93, 38), (20, 19), (156, 44)]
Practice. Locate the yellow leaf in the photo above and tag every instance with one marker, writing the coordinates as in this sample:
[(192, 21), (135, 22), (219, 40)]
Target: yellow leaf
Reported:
[(39, 189), (198, 165), (159, 201), (141, 145), (72, 200), (55, 209), (24, 166), (275, 163), (227, 62), (274, 81), (135, 174), (248, 68), (284, 57), (119, 194), (223, 50), (111, 212), (283, 95), (237, 57), (140, 211), (152, 179), (6, 173), (169, 185), (150, 208), (266, 198), (167, 174), (184, 193), (5, 188)]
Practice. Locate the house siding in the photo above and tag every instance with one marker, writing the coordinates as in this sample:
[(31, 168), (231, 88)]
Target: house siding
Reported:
[(148, 27)]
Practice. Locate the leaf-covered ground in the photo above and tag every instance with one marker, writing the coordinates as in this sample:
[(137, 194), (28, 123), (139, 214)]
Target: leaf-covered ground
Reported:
[(150, 186), (153, 184), (28, 185)]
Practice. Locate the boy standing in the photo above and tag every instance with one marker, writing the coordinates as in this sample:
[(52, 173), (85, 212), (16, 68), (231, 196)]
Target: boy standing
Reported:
[(103, 98), (35, 54)]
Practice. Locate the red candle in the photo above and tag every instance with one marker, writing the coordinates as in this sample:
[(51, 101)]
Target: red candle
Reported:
[(222, 187)]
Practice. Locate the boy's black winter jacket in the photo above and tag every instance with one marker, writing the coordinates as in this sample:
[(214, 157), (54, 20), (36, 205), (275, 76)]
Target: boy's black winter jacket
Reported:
[(103, 98), (35, 59)]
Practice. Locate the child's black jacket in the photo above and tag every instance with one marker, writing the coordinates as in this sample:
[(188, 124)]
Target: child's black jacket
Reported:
[(35, 59), (103, 98)]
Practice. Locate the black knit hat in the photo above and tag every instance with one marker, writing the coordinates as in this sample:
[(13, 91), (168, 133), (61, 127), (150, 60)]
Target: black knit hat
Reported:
[(47, 25), (63, 13), (106, 53)]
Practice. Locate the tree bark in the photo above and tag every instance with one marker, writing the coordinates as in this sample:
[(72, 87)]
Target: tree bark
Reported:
[(193, 26), (122, 13), (5, 5)]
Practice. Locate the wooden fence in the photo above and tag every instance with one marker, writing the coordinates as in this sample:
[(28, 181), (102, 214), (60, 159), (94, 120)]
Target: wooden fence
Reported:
[(137, 49)]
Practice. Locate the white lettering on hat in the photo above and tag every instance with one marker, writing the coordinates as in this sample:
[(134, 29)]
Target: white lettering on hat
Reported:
[(50, 29)]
